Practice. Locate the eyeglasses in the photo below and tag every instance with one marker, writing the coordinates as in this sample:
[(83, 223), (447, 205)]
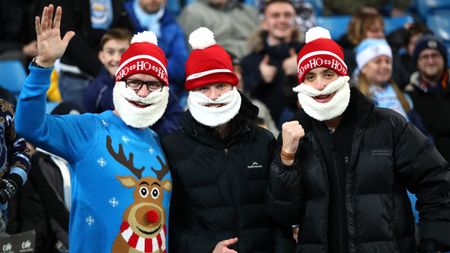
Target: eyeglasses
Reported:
[(136, 84), (432, 56)]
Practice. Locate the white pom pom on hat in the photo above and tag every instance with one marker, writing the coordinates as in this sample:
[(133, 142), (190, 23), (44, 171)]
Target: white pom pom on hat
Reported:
[(317, 33), (208, 62), (320, 50), (145, 36), (201, 38)]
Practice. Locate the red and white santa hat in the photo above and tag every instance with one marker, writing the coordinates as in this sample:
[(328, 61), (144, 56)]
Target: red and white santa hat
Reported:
[(208, 62), (320, 51), (143, 56)]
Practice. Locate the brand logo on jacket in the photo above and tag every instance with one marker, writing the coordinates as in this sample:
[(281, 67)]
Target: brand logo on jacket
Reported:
[(254, 165)]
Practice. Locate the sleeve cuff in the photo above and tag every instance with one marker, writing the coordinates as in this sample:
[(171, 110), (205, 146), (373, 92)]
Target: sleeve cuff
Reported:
[(20, 173)]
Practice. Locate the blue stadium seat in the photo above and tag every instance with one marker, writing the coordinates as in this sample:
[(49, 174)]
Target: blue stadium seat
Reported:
[(427, 7), (393, 23), (439, 23), (337, 25), (12, 75)]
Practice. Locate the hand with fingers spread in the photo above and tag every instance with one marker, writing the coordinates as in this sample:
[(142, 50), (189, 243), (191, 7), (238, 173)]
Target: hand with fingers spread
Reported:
[(222, 246), (292, 132), (268, 71), (290, 63), (50, 46)]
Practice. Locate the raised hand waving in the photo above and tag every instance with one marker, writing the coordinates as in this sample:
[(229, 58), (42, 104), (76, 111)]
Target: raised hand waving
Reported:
[(49, 43)]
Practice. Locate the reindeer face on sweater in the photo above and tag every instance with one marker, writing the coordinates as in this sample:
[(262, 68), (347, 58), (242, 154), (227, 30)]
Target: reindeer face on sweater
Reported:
[(143, 227)]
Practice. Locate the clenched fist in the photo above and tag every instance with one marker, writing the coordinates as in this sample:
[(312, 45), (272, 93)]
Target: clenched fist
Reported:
[(292, 132)]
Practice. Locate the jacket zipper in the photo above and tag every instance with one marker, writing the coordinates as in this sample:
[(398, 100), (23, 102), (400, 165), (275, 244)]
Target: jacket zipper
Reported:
[(339, 202)]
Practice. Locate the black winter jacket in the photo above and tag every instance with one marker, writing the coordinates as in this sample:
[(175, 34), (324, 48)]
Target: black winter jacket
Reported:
[(388, 156), (434, 108), (219, 185)]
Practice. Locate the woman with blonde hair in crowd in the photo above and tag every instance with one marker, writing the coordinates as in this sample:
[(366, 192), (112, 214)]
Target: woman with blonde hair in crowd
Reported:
[(373, 77), (364, 24)]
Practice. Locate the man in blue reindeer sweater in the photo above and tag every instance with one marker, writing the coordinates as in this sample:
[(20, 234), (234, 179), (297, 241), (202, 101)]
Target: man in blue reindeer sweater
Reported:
[(121, 185)]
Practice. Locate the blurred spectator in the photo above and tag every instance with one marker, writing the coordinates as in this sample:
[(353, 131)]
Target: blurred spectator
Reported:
[(429, 89), (17, 30), (89, 20), (403, 42), (269, 71), (374, 80), (231, 21), (44, 202), (364, 24), (305, 17), (151, 15), (264, 118), (349, 7), (14, 161), (98, 96)]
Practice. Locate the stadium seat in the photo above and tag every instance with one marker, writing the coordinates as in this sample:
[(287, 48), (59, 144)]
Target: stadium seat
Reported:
[(337, 25), (12, 75), (427, 7), (393, 23), (439, 23)]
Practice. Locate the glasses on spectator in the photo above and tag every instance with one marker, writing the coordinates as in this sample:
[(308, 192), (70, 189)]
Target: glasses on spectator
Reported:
[(432, 56), (136, 84)]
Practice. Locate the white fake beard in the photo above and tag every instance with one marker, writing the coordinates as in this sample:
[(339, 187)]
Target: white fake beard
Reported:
[(331, 109), (139, 117), (214, 116)]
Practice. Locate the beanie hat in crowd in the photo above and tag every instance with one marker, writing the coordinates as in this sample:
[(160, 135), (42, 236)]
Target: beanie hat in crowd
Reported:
[(208, 62), (369, 49), (429, 41), (145, 57), (320, 51)]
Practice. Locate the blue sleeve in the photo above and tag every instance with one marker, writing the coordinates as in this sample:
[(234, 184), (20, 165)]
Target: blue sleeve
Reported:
[(69, 136)]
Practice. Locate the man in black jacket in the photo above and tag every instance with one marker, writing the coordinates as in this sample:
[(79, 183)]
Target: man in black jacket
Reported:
[(219, 162), (429, 89), (343, 168)]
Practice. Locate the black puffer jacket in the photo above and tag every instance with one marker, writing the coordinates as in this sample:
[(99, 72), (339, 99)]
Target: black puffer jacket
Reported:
[(219, 185), (434, 108), (388, 156)]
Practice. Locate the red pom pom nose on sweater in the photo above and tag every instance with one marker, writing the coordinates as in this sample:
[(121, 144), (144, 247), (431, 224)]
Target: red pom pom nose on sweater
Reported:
[(320, 51), (152, 216), (208, 62), (145, 57)]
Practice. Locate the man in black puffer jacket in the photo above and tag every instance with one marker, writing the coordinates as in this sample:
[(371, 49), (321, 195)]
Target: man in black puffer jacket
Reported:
[(343, 168), (219, 163)]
